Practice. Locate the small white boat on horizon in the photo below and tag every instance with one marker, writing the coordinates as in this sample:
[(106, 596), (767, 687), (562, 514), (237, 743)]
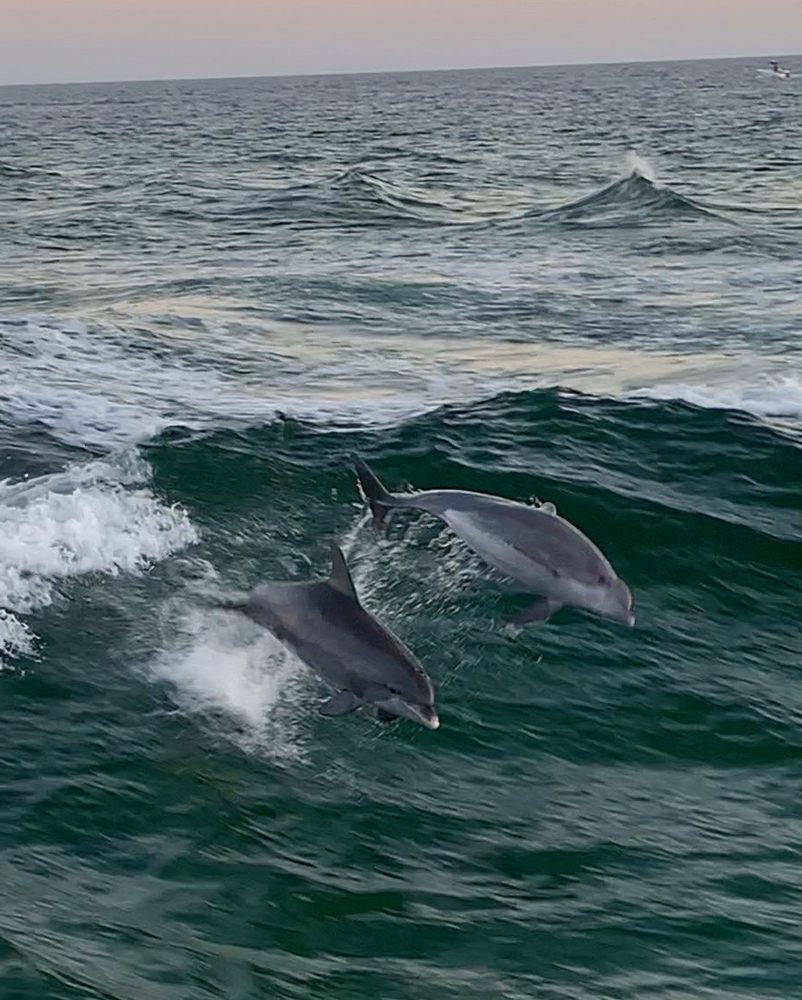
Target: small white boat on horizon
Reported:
[(777, 71)]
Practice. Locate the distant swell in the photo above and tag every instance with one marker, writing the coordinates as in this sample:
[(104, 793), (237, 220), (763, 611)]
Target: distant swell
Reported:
[(357, 196), (374, 191)]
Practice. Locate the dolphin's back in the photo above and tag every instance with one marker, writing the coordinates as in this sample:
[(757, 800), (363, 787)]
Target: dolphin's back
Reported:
[(509, 532)]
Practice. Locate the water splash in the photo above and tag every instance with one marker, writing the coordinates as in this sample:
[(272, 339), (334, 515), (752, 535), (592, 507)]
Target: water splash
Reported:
[(222, 663), (637, 164)]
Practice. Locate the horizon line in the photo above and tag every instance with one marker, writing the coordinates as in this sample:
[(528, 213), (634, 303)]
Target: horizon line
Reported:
[(394, 72)]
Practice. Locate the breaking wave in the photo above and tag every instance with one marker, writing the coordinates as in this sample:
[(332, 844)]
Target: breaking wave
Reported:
[(770, 397), (96, 518)]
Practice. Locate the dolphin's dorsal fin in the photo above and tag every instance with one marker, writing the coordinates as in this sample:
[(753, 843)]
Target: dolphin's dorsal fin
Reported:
[(340, 577), (548, 507)]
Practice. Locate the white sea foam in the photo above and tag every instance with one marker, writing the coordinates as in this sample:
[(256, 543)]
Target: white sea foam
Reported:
[(780, 396), (95, 389), (92, 389), (99, 391), (15, 636), (91, 519)]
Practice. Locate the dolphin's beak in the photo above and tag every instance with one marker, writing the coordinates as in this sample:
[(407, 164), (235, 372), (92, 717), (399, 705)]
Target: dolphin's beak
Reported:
[(424, 715), (624, 605)]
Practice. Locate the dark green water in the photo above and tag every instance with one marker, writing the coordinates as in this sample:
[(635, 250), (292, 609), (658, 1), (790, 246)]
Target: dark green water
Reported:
[(574, 285)]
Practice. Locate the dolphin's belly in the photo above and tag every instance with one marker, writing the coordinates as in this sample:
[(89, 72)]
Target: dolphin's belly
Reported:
[(500, 554)]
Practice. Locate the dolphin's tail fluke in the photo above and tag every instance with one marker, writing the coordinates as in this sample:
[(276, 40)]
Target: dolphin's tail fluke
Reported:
[(378, 498)]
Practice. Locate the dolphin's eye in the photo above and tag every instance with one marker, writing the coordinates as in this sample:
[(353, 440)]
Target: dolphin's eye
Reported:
[(602, 579)]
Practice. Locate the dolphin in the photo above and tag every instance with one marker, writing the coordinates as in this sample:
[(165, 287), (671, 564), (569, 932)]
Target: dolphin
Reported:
[(532, 545), (326, 626)]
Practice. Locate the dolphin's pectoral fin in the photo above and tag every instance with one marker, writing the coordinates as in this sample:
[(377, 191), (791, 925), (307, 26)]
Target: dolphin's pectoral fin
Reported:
[(385, 717), (540, 611), (341, 703), (340, 577), (548, 507)]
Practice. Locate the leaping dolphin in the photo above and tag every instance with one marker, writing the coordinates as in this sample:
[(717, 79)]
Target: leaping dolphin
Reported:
[(532, 545), (326, 626)]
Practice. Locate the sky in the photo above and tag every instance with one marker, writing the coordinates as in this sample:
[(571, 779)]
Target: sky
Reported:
[(44, 41)]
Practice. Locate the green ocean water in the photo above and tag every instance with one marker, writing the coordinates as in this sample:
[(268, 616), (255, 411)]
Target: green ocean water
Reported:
[(574, 284)]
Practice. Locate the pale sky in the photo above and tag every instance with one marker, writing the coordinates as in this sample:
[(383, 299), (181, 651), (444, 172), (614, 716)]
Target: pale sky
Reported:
[(69, 40)]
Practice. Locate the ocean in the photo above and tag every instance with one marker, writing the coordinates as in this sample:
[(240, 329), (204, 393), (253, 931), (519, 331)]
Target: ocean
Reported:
[(578, 285)]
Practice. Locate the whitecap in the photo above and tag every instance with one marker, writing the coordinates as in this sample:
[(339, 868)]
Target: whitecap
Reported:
[(778, 396)]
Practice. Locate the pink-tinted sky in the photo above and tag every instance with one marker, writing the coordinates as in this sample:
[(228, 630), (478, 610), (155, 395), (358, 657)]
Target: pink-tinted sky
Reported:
[(60, 40)]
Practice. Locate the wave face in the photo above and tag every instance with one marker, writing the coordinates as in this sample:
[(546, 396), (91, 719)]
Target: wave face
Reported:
[(214, 295)]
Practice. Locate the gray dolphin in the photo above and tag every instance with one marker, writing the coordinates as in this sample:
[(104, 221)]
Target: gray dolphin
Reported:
[(326, 626), (532, 545)]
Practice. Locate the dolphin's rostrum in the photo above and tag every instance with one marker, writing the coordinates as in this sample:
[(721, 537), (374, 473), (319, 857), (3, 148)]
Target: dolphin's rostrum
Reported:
[(324, 623), (532, 545)]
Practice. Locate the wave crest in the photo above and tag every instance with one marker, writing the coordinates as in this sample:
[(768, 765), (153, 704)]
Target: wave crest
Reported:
[(635, 198)]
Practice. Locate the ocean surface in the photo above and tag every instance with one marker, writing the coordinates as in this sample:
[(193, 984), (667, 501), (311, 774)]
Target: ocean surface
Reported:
[(579, 285)]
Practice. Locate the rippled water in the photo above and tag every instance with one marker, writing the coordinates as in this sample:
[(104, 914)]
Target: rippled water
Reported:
[(579, 285)]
